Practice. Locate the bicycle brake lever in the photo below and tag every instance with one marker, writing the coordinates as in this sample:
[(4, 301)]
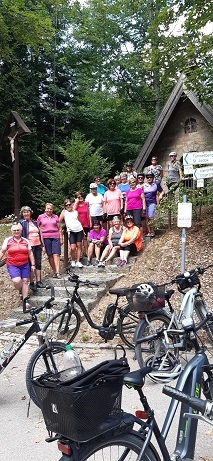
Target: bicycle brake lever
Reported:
[(198, 416)]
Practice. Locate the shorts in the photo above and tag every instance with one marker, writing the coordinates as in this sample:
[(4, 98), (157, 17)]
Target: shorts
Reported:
[(97, 218), (76, 237), (136, 216), (111, 216), (132, 248), (52, 246), (22, 271), (150, 210), (37, 256), (86, 230)]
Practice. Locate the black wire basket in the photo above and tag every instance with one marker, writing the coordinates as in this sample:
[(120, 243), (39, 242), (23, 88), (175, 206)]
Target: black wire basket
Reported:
[(85, 407), (151, 299)]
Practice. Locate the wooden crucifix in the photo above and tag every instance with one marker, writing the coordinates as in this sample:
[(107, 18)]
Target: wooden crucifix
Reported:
[(14, 128)]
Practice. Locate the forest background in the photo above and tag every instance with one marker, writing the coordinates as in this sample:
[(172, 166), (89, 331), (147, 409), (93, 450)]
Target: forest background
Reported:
[(89, 80)]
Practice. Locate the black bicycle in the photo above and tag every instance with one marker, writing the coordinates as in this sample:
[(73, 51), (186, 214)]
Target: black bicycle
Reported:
[(47, 358), (113, 435), (65, 323)]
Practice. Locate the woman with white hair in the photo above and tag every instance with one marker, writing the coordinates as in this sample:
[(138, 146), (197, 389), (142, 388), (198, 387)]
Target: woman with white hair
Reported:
[(19, 253), (30, 230)]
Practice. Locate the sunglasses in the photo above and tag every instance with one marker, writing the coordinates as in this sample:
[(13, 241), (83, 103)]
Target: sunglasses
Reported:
[(79, 196), (140, 177), (68, 204), (149, 177), (112, 184)]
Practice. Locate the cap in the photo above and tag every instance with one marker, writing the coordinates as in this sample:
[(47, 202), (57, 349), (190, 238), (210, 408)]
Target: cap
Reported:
[(26, 208), (173, 154), (93, 185), (129, 216)]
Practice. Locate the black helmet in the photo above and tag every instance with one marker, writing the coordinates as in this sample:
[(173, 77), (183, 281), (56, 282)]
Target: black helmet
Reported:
[(150, 174), (129, 163)]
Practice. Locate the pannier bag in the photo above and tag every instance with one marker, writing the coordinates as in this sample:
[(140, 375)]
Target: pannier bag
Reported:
[(86, 406), (146, 297)]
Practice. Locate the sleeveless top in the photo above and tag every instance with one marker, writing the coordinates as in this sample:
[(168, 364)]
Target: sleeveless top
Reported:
[(116, 236), (72, 222)]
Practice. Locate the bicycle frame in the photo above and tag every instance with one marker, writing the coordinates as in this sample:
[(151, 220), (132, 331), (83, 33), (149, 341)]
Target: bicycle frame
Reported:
[(34, 328)]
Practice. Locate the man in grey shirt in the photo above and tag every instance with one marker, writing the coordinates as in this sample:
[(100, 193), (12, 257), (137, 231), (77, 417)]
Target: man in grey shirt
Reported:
[(175, 174)]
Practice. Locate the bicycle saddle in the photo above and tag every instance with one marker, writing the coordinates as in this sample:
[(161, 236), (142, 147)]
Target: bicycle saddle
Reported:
[(119, 291), (136, 378)]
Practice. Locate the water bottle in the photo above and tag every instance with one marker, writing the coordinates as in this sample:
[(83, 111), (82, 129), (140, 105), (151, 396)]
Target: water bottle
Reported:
[(8, 349), (72, 363)]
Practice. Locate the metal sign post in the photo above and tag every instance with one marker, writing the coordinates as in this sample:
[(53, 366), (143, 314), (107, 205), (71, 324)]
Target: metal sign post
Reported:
[(184, 220)]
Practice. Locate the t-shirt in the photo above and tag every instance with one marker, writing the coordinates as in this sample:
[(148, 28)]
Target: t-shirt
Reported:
[(134, 200), (94, 236), (129, 233), (49, 225), (17, 251), (95, 204), (124, 188), (83, 214), (150, 192), (101, 189), (173, 171), (72, 222), (113, 201), (156, 170)]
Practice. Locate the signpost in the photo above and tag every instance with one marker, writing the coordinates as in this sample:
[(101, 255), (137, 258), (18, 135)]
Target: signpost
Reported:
[(204, 172), (198, 158)]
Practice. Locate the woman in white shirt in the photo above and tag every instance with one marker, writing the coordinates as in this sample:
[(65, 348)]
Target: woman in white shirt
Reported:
[(75, 231)]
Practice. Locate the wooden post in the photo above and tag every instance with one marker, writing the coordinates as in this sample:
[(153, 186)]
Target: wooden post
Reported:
[(65, 248), (16, 180)]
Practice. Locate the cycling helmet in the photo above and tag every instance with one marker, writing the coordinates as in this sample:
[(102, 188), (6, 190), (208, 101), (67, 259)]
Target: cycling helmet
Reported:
[(145, 289), (165, 368)]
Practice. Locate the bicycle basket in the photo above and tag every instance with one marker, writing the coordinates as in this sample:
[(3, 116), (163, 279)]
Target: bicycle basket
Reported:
[(146, 297), (86, 406)]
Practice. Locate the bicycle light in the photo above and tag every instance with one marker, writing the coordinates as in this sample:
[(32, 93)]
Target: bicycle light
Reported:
[(188, 323)]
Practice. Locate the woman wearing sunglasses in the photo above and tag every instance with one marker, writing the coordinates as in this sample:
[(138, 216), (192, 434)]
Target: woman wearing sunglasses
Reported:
[(113, 201)]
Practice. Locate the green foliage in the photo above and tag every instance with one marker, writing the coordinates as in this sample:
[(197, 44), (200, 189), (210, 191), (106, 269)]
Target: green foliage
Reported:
[(80, 163)]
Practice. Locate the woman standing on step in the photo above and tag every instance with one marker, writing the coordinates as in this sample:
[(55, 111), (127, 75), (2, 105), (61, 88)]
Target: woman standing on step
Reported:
[(113, 247), (75, 231), (31, 231), (52, 237)]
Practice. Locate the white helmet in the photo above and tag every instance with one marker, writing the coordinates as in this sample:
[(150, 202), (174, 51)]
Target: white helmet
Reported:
[(145, 289), (165, 368)]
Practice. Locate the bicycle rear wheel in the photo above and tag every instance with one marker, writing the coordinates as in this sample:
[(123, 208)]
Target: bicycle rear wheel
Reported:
[(125, 447), (155, 349), (63, 327), (127, 323), (201, 311), (46, 359)]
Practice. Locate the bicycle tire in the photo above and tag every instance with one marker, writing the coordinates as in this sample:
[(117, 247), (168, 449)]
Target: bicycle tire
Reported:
[(201, 311), (112, 448), (47, 358), (63, 327), (145, 351), (126, 325)]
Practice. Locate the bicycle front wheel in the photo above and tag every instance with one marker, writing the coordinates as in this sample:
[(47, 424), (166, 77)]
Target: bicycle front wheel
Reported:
[(154, 349), (63, 327), (46, 359), (201, 311), (127, 322), (125, 447)]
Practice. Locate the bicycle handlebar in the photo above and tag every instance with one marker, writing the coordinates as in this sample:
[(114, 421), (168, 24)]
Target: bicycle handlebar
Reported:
[(75, 278), (47, 303), (205, 407), (190, 276)]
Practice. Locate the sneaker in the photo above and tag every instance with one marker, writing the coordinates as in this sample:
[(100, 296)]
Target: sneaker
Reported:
[(73, 264), (89, 263), (33, 287), (40, 285), (123, 263), (100, 264), (78, 264), (96, 262), (119, 262)]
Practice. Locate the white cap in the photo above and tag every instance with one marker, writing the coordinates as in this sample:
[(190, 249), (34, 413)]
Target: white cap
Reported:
[(173, 153), (93, 185)]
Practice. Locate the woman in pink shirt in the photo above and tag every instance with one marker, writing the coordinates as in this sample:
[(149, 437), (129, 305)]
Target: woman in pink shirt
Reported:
[(52, 237), (135, 204), (113, 201)]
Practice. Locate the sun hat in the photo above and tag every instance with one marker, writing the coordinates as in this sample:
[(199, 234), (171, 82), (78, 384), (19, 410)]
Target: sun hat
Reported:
[(93, 185), (173, 154)]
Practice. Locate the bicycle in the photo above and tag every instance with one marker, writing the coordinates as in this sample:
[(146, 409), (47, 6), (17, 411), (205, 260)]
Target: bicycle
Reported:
[(163, 350), (48, 357), (124, 441), (65, 323)]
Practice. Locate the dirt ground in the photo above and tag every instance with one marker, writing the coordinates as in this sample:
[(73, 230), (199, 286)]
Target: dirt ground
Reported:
[(159, 262)]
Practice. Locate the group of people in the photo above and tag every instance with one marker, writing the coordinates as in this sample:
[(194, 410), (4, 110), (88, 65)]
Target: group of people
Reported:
[(111, 220)]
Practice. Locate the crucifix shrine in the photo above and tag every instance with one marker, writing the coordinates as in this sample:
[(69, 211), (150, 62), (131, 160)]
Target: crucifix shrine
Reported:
[(14, 128)]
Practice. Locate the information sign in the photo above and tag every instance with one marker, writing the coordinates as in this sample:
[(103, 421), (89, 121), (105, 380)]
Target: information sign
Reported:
[(198, 158), (204, 172), (184, 215), (200, 183)]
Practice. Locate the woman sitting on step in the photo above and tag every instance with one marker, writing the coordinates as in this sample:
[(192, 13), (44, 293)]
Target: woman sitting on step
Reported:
[(113, 247), (130, 241)]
